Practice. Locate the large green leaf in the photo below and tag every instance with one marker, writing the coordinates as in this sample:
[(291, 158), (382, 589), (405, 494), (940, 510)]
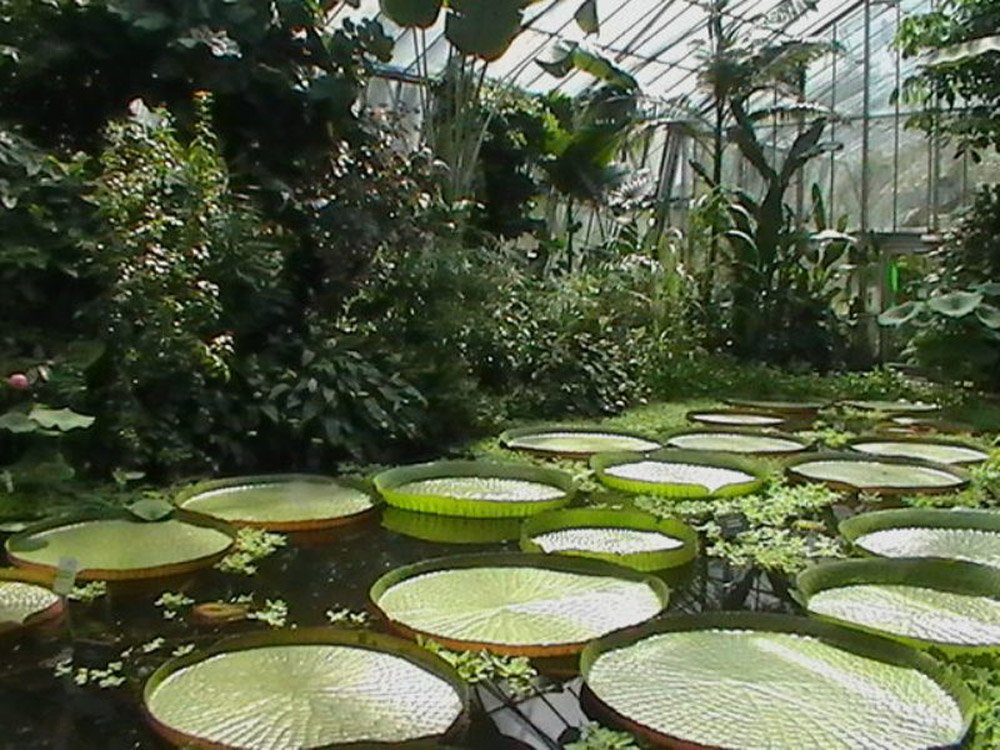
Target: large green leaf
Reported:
[(572, 56), (17, 422), (939, 451), (735, 418), (419, 14), (948, 604), (780, 406), (63, 420), (852, 472), (738, 680), (483, 29), (307, 688), (21, 601), (968, 535), (151, 509), (535, 605), (475, 489), (964, 51), (121, 549), (737, 441), (586, 17), (900, 314), (988, 315), (280, 502), (955, 304), (638, 540), (679, 473), (574, 441)]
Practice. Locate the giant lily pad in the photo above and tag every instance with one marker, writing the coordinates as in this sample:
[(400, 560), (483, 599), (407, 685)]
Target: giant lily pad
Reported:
[(946, 604), (679, 473), (475, 489), (782, 406), (969, 535), (25, 600), (746, 681), (884, 475), (925, 449), (281, 502), (637, 540), (738, 441), (305, 688), (893, 407), (736, 418), (531, 605), (120, 548), (574, 442), (432, 527)]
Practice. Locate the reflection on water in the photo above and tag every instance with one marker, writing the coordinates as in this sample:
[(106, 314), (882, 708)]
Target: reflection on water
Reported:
[(329, 570)]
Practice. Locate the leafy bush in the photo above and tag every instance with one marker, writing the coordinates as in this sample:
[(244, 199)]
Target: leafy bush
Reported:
[(188, 269)]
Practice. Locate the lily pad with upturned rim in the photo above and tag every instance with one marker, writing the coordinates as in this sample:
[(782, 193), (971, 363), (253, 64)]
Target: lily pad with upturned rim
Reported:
[(112, 549), (966, 535), (518, 604), (306, 688), (892, 407), (733, 440), (854, 472), (679, 473), (949, 605), (432, 527), (574, 442), (26, 601), (476, 489), (636, 540), (736, 418), (783, 406), (281, 502), (744, 681), (923, 449)]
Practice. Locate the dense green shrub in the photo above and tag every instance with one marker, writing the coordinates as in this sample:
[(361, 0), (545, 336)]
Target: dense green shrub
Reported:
[(188, 270)]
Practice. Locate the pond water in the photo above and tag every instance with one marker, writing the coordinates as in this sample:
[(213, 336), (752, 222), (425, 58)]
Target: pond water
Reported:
[(312, 575)]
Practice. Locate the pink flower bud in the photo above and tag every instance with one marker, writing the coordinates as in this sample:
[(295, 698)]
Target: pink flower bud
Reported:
[(18, 381)]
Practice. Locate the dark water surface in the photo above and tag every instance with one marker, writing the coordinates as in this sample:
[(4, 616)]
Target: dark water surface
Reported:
[(332, 571)]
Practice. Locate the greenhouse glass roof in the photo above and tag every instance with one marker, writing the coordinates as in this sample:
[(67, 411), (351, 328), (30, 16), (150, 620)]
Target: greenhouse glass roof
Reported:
[(657, 41)]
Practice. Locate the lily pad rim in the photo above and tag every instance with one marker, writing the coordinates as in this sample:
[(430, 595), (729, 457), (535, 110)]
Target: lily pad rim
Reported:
[(950, 576), (747, 463), (693, 414), (318, 635), (793, 475), (904, 407), (867, 645), (147, 573), (508, 529), (208, 485), (576, 518), (584, 428), (561, 563), (973, 519), (787, 405)]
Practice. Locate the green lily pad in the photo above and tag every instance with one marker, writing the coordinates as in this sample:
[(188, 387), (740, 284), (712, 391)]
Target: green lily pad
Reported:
[(118, 549), (25, 602), (783, 406), (938, 451), (884, 475), (475, 489), (893, 407), (737, 441), (949, 605), (432, 527), (151, 509), (531, 605), (574, 442), (308, 688), (734, 418), (742, 681), (679, 473), (637, 540), (280, 502)]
